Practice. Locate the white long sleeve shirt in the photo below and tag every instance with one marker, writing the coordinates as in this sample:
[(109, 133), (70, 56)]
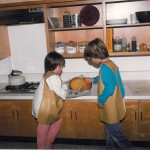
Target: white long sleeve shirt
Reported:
[(55, 84)]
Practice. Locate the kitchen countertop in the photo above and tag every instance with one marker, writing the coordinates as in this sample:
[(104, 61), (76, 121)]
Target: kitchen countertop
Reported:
[(139, 89)]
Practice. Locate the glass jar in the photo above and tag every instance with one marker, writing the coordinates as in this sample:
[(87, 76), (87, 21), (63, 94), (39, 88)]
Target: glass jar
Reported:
[(60, 47), (117, 44), (71, 47), (81, 46)]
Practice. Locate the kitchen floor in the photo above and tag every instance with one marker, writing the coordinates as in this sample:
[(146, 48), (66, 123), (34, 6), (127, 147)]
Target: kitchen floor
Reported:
[(30, 143)]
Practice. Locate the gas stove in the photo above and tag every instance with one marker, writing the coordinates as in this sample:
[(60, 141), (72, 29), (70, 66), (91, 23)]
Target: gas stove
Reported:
[(28, 87)]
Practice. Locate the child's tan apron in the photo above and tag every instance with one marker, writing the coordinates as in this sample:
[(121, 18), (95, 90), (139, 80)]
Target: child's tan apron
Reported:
[(114, 108), (51, 104)]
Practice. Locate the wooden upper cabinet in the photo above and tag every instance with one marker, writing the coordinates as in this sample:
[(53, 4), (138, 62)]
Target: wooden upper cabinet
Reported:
[(4, 42), (16, 1)]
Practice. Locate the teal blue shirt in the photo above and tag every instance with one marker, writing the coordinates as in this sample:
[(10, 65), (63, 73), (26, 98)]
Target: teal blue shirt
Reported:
[(109, 80)]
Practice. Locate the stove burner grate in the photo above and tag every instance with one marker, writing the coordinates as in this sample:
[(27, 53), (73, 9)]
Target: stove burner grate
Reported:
[(24, 88)]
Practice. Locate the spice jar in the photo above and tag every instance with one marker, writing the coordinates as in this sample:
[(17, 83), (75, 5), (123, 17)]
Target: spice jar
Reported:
[(60, 47), (117, 44), (71, 47), (82, 45)]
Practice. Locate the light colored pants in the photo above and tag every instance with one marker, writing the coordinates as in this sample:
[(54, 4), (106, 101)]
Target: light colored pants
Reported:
[(46, 134)]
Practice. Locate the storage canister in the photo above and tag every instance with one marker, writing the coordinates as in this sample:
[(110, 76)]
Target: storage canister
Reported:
[(117, 44), (60, 47), (71, 47), (81, 46)]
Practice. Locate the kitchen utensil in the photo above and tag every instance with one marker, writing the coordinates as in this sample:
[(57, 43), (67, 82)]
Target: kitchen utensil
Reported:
[(77, 82), (75, 20), (15, 78), (117, 21), (67, 19), (143, 16), (89, 15)]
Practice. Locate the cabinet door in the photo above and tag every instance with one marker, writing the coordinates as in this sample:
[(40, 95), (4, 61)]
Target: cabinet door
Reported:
[(130, 122), (144, 120), (88, 123), (8, 119), (4, 42), (68, 128), (81, 120), (26, 123)]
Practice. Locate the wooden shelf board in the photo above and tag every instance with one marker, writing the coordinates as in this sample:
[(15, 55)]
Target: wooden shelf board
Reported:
[(124, 54), (127, 25), (113, 54), (77, 28)]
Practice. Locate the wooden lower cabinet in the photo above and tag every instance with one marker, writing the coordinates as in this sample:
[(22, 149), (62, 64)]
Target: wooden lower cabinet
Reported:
[(130, 122), (16, 118), (144, 120), (81, 120), (136, 124)]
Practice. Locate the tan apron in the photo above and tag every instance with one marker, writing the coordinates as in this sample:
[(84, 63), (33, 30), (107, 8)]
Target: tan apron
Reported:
[(114, 108), (51, 104)]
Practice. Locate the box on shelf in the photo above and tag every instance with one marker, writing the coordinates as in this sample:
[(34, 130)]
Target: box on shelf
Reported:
[(109, 39)]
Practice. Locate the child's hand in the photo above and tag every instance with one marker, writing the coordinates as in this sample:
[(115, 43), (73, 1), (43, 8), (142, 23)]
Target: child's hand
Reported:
[(88, 80), (100, 105)]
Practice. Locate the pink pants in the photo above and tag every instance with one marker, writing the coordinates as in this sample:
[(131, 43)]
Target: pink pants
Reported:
[(46, 134)]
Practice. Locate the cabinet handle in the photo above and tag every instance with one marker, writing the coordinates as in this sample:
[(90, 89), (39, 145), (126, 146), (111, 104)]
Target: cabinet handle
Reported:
[(71, 114), (141, 116), (76, 115), (135, 115), (18, 114)]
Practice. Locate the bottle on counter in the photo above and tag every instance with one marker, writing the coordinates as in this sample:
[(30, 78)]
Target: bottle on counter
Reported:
[(134, 44)]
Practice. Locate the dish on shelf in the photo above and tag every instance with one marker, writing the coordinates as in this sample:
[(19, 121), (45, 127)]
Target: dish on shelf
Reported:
[(117, 21), (143, 16), (89, 15)]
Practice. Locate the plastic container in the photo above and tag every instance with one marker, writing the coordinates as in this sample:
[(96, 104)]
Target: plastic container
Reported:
[(81, 46), (60, 47), (71, 47)]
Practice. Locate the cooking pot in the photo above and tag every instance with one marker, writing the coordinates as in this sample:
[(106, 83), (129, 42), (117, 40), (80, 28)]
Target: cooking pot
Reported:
[(77, 82), (15, 78)]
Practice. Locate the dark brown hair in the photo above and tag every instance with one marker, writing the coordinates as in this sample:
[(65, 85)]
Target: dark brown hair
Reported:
[(96, 49), (52, 60)]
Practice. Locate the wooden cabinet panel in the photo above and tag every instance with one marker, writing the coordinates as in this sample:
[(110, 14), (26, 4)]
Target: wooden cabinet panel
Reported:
[(130, 122), (16, 118), (4, 42), (67, 129), (144, 120), (26, 122), (81, 120), (8, 119)]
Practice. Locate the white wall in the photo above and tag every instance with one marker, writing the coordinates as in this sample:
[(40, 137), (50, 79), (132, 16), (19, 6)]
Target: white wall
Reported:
[(28, 47), (131, 68)]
